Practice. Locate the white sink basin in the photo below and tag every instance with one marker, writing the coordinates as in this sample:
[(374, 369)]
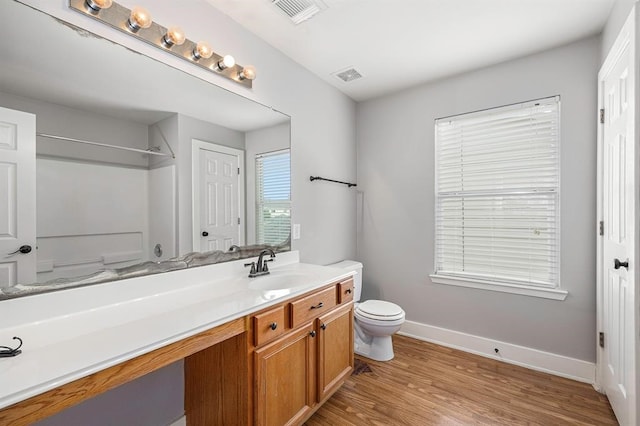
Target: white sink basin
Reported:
[(279, 281)]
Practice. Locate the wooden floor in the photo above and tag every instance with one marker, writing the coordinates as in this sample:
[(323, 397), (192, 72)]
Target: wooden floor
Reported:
[(427, 384)]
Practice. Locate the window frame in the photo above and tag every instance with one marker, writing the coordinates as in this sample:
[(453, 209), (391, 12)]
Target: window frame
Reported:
[(495, 283)]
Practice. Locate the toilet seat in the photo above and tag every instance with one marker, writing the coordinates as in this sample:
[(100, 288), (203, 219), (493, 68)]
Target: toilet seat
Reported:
[(379, 310)]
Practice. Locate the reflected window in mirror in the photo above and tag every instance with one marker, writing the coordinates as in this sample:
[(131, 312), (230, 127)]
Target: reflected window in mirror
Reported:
[(273, 197)]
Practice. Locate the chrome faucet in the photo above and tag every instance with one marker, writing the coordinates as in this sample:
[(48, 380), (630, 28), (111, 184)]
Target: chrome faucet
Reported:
[(260, 267)]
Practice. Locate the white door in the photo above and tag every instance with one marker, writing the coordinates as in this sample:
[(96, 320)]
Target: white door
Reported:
[(17, 197), (618, 268), (217, 198)]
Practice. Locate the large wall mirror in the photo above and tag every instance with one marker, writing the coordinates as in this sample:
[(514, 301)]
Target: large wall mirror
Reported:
[(135, 161)]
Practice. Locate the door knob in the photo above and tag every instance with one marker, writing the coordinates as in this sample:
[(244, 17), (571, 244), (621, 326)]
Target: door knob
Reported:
[(23, 249), (617, 264), (205, 234)]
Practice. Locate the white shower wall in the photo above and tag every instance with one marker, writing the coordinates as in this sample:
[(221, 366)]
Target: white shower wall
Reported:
[(90, 217)]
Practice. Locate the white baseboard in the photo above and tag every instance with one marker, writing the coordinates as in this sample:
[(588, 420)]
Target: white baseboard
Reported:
[(182, 421), (534, 359)]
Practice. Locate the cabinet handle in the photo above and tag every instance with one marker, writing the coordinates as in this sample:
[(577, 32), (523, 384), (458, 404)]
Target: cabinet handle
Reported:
[(348, 291), (273, 325), (323, 326), (318, 306), (313, 333), (23, 249), (617, 264)]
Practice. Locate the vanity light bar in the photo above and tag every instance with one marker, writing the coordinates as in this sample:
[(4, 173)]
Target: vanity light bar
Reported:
[(139, 24)]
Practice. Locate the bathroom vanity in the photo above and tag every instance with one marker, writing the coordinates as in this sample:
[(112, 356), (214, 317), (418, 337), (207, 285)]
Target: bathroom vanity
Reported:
[(266, 351)]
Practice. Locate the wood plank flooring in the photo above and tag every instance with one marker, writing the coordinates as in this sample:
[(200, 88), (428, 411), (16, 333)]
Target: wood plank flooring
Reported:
[(426, 384)]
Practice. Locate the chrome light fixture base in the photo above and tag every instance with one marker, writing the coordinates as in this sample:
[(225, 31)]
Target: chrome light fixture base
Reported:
[(117, 16)]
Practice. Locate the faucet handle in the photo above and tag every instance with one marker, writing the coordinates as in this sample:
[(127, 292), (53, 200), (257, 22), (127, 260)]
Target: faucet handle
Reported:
[(265, 268), (253, 267)]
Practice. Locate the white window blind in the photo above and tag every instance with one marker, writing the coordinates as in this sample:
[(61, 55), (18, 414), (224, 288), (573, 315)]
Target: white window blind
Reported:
[(497, 190), (273, 193)]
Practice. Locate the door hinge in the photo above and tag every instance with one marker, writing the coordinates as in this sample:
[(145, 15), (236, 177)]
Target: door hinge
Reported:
[(601, 339), (238, 171), (601, 227), (602, 115), (238, 221)]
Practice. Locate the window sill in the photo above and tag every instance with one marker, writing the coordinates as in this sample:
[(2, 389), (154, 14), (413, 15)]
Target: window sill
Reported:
[(546, 293)]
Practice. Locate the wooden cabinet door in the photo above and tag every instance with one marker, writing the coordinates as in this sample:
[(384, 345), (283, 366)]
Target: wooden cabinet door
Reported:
[(285, 378), (335, 349)]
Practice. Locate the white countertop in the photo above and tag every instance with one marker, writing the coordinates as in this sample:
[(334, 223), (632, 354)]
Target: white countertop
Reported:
[(72, 333)]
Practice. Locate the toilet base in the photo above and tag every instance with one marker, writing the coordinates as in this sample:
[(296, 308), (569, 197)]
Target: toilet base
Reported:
[(378, 349)]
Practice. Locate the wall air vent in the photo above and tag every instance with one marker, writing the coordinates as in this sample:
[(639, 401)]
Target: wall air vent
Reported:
[(299, 10), (348, 75)]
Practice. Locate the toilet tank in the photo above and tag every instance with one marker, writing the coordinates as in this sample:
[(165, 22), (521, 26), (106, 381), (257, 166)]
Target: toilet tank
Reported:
[(352, 265)]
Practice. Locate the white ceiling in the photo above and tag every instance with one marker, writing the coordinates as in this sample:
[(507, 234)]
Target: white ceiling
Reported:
[(396, 44)]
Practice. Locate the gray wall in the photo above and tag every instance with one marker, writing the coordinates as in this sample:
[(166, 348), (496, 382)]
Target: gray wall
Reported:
[(395, 140), (152, 400)]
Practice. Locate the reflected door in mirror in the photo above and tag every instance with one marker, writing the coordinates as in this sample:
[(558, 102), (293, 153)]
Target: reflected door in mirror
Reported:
[(219, 201), (17, 192)]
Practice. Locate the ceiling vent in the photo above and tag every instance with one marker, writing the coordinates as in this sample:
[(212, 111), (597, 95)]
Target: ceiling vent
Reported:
[(299, 10), (348, 75)]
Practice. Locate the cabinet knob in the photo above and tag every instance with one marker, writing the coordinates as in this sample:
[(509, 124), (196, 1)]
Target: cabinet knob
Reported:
[(323, 326), (273, 325), (205, 234), (348, 291), (313, 333), (318, 306)]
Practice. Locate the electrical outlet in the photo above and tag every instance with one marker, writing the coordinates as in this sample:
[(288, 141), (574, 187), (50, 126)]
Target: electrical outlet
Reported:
[(296, 231)]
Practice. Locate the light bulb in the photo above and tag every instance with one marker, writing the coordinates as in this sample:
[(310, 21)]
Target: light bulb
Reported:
[(202, 50), (247, 73), (96, 5), (224, 63), (174, 35), (139, 18)]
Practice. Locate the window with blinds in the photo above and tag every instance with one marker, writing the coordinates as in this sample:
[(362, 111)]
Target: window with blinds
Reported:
[(273, 197), (497, 190)]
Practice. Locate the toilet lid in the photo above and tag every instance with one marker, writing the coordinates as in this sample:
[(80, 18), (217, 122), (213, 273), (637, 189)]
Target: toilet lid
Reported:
[(379, 309)]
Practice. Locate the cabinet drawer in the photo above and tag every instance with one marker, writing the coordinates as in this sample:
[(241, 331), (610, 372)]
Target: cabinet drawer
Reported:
[(269, 325), (345, 291), (311, 306)]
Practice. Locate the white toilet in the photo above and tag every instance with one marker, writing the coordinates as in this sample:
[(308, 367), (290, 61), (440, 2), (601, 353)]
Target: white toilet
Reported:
[(374, 320)]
